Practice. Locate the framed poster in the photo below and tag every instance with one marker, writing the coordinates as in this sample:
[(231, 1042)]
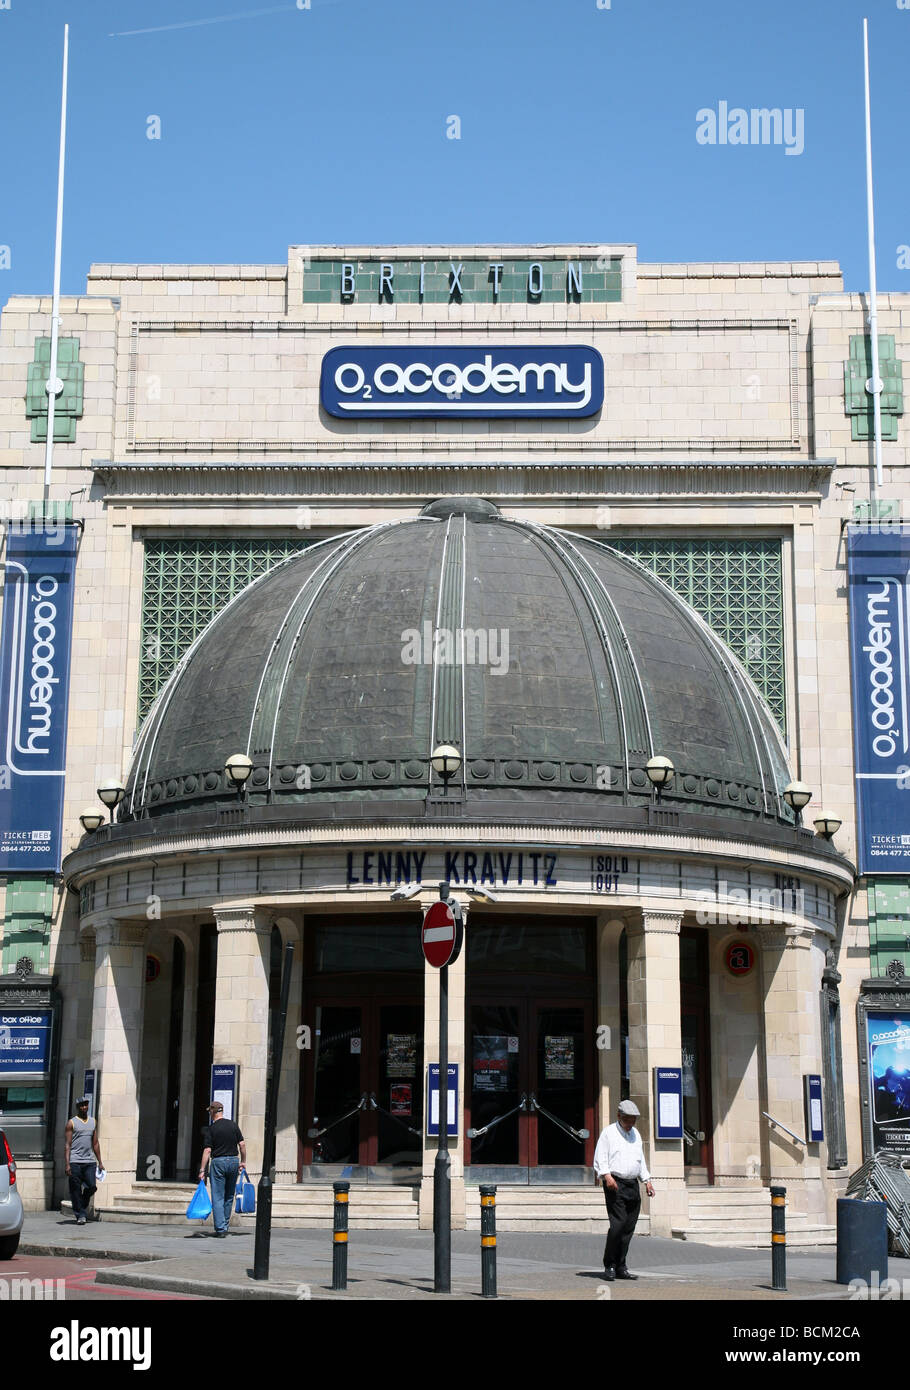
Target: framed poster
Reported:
[(559, 1057), (491, 1062), (888, 1059), (401, 1055)]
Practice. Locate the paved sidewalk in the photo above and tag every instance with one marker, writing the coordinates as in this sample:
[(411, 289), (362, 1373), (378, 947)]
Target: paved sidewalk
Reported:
[(398, 1265)]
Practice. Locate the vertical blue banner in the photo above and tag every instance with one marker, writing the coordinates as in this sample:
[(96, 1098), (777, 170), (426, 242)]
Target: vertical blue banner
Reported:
[(34, 692), (878, 572)]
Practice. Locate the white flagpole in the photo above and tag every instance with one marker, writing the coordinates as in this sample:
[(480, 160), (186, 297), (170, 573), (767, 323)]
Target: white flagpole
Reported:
[(58, 248), (876, 382)]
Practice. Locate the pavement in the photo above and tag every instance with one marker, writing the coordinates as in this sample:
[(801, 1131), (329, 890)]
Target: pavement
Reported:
[(398, 1265)]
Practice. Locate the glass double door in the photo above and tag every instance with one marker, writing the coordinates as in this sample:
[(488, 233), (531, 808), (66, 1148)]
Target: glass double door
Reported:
[(530, 1098), (364, 1100)]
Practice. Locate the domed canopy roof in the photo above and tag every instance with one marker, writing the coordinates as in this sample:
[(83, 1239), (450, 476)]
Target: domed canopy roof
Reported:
[(556, 667)]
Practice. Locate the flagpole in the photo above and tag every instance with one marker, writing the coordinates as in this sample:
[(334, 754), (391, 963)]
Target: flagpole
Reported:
[(876, 382), (58, 248)]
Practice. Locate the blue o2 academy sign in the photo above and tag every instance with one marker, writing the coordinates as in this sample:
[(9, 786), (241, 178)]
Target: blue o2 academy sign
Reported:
[(878, 569), (379, 383)]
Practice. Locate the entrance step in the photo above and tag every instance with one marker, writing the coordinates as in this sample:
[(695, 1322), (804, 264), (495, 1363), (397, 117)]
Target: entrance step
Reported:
[(741, 1216), (543, 1208), (372, 1207)]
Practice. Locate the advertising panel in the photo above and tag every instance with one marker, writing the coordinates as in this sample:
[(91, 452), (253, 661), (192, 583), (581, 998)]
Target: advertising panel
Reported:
[(25, 1040), (34, 693), (878, 569), (888, 1044)]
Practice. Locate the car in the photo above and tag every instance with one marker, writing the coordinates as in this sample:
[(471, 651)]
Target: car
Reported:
[(11, 1214)]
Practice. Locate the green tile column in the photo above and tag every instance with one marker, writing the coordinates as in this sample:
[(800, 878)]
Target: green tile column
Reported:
[(889, 924), (27, 923)]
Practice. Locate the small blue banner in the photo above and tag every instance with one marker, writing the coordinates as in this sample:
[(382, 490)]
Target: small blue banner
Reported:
[(34, 693), (812, 1098), (25, 1040), (225, 1076), (878, 573), (459, 383), (668, 1116)]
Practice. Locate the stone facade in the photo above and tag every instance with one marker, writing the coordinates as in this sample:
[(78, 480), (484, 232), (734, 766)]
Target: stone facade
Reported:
[(724, 415)]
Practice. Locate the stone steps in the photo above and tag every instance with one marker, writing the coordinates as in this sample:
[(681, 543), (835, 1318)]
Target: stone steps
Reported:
[(372, 1207), (575, 1209), (734, 1216)]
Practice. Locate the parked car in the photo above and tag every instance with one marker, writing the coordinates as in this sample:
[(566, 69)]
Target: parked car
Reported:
[(10, 1202)]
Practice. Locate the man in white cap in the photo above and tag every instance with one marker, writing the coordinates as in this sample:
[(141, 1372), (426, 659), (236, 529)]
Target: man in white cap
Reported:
[(619, 1164)]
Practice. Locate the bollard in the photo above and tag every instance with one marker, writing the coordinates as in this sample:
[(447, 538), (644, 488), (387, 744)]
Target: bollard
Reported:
[(340, 1236), (488, 1240), (779, 1238)]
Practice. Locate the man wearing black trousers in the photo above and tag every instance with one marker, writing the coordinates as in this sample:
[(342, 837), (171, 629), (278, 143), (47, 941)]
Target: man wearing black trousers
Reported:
[(619, 1164)]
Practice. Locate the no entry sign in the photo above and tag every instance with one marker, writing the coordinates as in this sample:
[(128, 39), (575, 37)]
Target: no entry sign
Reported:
[(442, 934)]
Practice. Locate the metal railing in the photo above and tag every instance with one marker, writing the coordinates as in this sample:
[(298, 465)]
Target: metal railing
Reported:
[(793, 1136)]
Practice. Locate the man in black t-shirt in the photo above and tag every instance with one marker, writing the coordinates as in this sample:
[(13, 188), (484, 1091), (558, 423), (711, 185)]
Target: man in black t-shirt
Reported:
[(222, 1138)]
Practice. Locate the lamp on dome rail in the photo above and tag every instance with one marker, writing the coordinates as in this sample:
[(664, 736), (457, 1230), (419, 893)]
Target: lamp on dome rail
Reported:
[(660, 772), (797, 795), (827, 826), (111, 795), (238, 768), (445, 761), (91, 820)]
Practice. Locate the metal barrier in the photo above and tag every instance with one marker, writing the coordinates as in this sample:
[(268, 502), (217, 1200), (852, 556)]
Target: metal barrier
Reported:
[(779, 1238), (340, 1236), (884, 1178), (488, 1240)]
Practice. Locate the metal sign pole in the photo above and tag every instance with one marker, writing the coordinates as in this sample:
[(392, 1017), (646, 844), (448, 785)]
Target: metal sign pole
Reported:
[(442, 1187), (51, 387), (876, 383), (264, 1195)]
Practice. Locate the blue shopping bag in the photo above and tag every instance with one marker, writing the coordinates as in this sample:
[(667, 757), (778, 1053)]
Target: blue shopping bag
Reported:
[(200, 1207), (245, 1199)]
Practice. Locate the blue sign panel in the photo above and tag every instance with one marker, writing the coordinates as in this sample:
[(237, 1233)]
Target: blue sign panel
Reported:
[(668, 1119), (34, 693), (25, 1040), (812, 1098), (878, 563), (433, 1096), (90, 1087), (461, 383), (224, 1087)]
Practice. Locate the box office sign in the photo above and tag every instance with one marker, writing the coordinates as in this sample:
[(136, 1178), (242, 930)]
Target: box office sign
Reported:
[(481, 382), (888, 1055), (34, 692), (879, 586), (25, 1040)]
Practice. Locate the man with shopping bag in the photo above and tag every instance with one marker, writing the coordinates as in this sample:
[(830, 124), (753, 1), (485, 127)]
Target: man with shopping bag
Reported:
[(222, 1139)]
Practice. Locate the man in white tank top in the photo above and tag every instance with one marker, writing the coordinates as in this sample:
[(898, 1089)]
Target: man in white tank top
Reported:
[(82, 1156)]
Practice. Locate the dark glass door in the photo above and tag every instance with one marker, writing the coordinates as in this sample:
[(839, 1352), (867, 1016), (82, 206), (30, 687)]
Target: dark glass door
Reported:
[(530, 1095), (366, 1096)]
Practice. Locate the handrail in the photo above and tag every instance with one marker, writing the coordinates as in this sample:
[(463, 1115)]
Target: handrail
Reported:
[(785, 1129)]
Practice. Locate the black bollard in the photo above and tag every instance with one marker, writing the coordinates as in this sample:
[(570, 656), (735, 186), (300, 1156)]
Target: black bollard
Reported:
[(779, 1238), (340, 1236), (488, 1240)]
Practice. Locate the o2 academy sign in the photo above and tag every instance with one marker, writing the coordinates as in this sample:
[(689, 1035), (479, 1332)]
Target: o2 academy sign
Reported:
[(379, 383)]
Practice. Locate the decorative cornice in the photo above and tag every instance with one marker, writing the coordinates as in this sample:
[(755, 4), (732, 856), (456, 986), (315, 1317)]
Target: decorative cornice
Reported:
[(788, 938), (110, 932), (243, 917), (659, 923)]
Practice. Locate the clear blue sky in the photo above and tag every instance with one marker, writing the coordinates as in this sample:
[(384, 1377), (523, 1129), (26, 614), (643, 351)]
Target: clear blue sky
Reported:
[(329, 124)]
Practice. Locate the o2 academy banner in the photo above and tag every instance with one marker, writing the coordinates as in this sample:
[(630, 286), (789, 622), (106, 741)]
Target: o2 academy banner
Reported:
[(878, 569), (34, 690)]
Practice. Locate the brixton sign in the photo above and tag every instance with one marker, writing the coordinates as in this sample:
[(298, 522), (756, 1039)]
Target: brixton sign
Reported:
[(480, 382)]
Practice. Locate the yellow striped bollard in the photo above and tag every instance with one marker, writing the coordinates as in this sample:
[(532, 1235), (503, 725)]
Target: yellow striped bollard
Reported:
[(488, 1240), (340, 1236), (779, 1238)]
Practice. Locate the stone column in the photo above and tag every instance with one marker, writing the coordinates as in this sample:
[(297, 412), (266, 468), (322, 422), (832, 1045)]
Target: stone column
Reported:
[(242, 1015), (118, 1007), (791, 978), (286, 1150), (188, 1123), (655, 1039), (607, 1020)]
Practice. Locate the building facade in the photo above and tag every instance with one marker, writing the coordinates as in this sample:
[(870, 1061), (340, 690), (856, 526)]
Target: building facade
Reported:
[(564, 512)]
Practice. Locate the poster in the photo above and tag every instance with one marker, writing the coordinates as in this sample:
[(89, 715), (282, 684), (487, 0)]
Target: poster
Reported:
[(34, 693), (491, 1062), (25, 1036), (401, 1055), (559, 1057), (400, 1099), (888, 1041), (878, 574)]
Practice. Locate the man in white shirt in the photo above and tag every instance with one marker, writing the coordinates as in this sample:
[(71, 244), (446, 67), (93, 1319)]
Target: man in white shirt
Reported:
[(619, 1163)]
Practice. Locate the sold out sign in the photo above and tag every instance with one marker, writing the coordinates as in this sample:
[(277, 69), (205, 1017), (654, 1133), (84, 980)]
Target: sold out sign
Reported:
[(442, 933)]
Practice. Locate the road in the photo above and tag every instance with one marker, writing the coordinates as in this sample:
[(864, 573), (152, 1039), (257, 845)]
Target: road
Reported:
[(76, 1281)]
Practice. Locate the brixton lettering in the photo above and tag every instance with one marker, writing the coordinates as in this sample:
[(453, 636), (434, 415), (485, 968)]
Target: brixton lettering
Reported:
[(437, 382)]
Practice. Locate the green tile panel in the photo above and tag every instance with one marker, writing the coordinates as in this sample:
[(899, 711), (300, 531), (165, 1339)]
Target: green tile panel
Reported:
[(69, 405), (601, 282)]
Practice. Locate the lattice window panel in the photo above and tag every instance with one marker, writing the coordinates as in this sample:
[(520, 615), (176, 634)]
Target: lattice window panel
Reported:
[(737, 587), (186, 583)]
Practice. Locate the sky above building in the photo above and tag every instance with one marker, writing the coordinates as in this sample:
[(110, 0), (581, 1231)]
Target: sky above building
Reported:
[(223, 131)]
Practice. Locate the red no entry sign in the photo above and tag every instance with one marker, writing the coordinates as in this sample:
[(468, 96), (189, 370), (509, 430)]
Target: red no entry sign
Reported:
[(442, 934)]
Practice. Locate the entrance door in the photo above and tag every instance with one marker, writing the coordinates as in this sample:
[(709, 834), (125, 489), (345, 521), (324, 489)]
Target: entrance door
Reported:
[(698, 1149), (365, 1099), (530, 1099)]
